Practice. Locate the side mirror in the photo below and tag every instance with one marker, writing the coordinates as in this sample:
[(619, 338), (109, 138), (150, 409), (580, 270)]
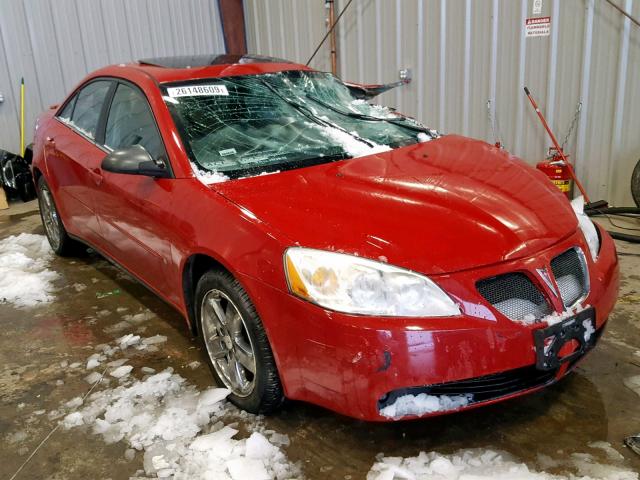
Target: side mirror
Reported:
[(134, 160)]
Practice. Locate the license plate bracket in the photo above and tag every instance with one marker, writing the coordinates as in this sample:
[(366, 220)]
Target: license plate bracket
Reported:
[(549, 341)]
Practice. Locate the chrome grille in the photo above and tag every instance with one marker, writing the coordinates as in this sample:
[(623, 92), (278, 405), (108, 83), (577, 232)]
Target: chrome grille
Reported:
[(570, 270), (515, 296)]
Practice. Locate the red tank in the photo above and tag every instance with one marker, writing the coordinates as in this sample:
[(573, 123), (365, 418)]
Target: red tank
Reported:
[(558, 172)]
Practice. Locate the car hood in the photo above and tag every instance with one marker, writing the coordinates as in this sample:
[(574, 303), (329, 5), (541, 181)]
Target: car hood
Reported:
[(437, 207)]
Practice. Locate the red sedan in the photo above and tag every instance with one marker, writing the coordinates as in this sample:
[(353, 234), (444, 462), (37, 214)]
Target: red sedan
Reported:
[(324, 248)]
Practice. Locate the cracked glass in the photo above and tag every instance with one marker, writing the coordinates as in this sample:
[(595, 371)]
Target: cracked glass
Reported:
[(247, 125)]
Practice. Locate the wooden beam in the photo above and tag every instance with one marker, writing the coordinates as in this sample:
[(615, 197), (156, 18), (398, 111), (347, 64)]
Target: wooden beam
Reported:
[(232, 18)]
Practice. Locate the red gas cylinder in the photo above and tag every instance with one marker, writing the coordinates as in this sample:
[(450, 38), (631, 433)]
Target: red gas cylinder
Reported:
[(558, 173)]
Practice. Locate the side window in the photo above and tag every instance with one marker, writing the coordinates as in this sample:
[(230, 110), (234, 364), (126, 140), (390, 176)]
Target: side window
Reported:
[(131, 122), (88, 106), (66, 112)]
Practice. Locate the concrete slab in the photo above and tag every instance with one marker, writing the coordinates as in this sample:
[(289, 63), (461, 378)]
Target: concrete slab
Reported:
[(592, 404)]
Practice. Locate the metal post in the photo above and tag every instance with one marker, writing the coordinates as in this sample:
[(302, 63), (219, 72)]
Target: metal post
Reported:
[(332, 39)]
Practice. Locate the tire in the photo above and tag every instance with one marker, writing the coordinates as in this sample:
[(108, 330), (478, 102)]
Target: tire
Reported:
[(227, 342), (59, 239), (635, 184)]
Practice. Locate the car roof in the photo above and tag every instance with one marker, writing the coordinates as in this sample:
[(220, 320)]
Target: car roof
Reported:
[(193, 67)]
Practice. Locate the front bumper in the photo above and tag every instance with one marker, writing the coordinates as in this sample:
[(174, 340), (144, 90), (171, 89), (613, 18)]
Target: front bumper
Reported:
[(354, 365)]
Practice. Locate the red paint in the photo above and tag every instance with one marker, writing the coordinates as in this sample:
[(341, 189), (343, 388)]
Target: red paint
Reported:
[(456, 209)]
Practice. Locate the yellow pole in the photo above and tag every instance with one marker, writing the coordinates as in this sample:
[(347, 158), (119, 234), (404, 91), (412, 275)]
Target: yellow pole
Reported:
[(22, 117)]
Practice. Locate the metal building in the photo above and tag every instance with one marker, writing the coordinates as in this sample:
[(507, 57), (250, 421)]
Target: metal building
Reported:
[(53, 44), (464, 53)]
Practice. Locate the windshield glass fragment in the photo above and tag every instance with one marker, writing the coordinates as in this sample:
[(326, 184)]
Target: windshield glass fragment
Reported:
[(236, 127)]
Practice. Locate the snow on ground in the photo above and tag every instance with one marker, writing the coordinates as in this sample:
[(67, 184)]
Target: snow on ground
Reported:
[(130, 321), (423, 403), (633, 383), (479, 464), (184, 433), (25, 280)]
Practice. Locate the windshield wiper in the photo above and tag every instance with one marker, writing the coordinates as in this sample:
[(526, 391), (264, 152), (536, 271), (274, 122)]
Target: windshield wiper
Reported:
[(286, 165), (362, 116), (309, 114)]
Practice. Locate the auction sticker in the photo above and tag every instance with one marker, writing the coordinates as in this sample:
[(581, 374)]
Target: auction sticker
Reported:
[(197, 90), (538, 27)]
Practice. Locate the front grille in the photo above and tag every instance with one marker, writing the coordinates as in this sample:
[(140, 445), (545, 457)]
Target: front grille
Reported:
[(570, 271), (485, 388), (515, 296)]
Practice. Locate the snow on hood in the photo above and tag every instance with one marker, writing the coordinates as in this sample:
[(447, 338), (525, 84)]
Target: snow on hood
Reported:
[(436, 207)]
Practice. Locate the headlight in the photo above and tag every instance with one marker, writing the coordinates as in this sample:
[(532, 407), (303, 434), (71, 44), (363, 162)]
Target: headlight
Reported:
[(350, 284), (588, 228)]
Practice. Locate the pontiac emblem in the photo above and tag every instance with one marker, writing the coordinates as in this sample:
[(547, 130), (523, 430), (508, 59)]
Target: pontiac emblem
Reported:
[(544, 275)]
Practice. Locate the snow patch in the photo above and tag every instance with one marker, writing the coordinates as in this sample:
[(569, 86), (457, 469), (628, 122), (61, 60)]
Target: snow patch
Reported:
[(423, 137), (588, 329), (423, 404), (349, 143), (154, 340), (633, 383), (72, 420), (556, 317), (179, 428), (208, 178), (481, 464), (606, 447), (121, 372), (128, 340), (25, 280)]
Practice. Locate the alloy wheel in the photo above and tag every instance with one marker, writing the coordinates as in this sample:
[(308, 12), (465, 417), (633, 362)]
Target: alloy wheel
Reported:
[(228, 342), (50, 218)]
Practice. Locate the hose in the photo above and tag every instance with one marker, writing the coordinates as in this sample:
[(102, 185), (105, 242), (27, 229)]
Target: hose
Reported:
[(627, 212)]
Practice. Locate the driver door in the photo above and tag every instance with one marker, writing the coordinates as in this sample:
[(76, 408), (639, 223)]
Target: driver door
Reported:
[(134, 224)]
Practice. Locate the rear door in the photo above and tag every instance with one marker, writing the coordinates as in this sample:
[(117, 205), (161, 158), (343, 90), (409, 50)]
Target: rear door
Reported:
[(73, 158), (136, 226)]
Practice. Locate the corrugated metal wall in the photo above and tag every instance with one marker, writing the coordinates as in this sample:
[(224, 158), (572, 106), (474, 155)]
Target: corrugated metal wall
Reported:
[(464, 53), (53, 44)]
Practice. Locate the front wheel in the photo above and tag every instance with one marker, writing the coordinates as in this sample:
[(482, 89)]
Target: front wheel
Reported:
[(237, 347)]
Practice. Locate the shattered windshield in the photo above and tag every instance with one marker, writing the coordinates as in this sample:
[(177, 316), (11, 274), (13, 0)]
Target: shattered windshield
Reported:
[(242, 126)]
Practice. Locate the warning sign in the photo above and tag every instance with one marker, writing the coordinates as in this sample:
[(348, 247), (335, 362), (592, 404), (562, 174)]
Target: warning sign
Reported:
[(538, 27)]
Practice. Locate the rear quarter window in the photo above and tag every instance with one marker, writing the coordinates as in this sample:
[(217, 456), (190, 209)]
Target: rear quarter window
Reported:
[(83, 111)]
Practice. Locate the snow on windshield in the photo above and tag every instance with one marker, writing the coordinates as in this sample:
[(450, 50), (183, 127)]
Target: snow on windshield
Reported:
[(243, 126)]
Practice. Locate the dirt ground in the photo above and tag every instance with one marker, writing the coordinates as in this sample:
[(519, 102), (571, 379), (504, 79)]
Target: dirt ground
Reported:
[(592, 404)]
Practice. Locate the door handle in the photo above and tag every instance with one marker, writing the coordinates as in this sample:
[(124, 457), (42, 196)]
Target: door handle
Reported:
[(96, 174), (50, 141)]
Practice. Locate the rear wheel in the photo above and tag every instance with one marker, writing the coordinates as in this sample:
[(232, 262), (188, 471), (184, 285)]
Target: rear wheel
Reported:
[(237, 348), (59, 240)]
